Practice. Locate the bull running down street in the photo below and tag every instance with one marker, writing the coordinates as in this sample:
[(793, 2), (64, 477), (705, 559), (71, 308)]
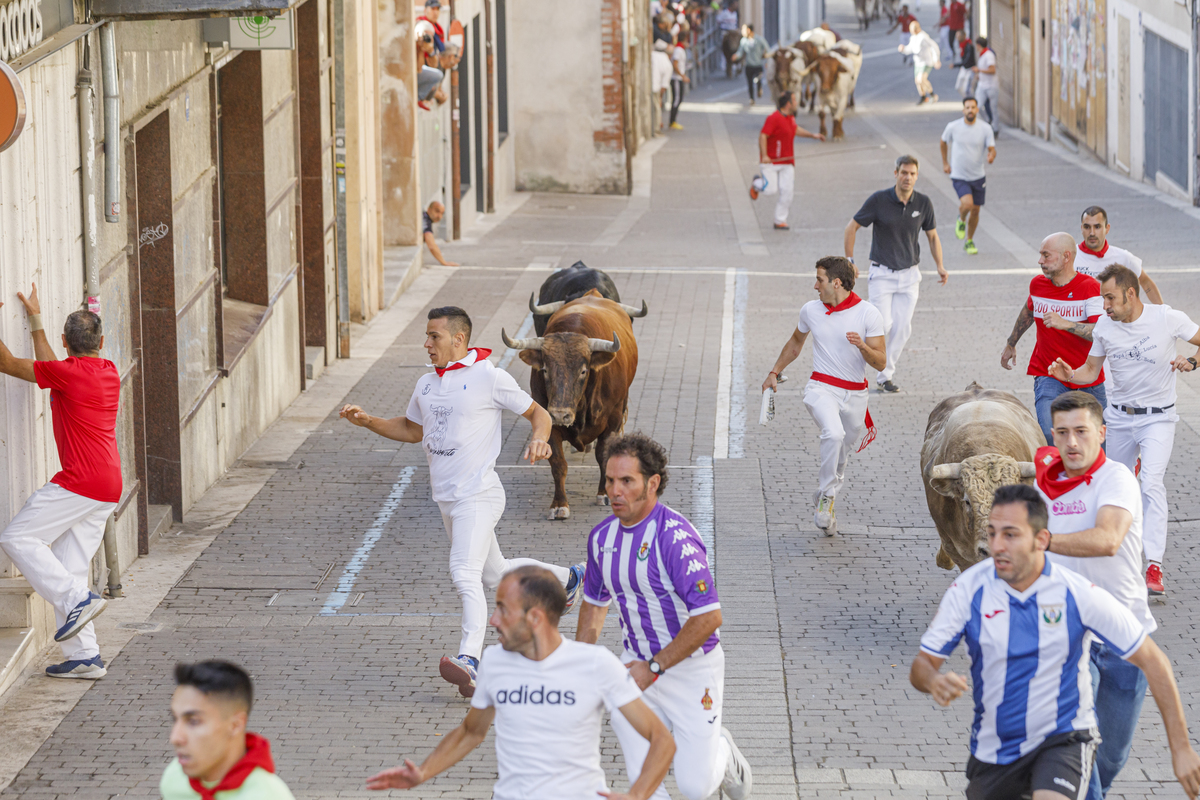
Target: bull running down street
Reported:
[(816, 689)]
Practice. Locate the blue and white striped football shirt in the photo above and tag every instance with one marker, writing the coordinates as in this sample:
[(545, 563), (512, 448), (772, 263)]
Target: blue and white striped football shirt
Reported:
[(1029, 653)]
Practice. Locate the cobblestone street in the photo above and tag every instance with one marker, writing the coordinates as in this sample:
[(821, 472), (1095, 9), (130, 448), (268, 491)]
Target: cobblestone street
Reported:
[(819, 632)]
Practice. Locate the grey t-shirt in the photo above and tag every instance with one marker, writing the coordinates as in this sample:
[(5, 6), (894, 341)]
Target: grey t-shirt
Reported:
[(968, 148)]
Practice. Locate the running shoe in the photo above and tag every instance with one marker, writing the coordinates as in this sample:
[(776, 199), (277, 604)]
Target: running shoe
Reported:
[(88, 669), (888, 387), (825, 517), (738, 780), (575, 583), (1154, 581), (80, 616), (960, 228), (933, 98), (970, 247), (782, 226), (461, 671), (923, 100), (675, 126)]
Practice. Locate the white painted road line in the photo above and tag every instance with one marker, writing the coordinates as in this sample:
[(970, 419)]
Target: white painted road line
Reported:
[(738, 390), (744, 222), (639, 199), (337, 598), (725, 369), (1004, 236)]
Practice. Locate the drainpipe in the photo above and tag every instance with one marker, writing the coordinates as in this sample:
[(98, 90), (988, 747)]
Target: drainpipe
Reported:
[(338, 23), (490, 202), (112, 125), (110, 556), (87, 178)]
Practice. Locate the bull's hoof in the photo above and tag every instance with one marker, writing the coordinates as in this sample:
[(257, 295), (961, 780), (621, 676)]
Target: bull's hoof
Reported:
[(943, 559), (562, 512), (602, 500), (838, 137)]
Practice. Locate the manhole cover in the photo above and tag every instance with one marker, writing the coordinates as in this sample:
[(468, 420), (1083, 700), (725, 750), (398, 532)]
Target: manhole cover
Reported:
[(141, 627)]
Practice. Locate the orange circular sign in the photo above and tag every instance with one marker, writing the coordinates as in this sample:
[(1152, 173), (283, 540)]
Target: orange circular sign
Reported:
[(12, 106)]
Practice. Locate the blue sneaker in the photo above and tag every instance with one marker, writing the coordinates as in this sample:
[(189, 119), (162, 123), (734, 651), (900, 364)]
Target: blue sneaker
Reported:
[(80, 616), (575, 583), (461, 671), (90, 669)]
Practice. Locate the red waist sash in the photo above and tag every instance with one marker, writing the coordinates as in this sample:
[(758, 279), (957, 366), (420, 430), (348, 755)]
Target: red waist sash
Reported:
[(869, 436)]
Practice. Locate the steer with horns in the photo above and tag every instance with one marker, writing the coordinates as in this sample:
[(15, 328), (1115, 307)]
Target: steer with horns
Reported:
[(976, 440), (582, 369)]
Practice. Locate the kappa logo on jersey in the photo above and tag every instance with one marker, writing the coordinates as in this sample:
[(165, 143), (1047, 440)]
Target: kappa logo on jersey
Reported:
[(694, 566), (702, 586), (680, 535), (706, 701), (1073, 507), (1052, 615), (688, 549), (671, 523), (644, 551)]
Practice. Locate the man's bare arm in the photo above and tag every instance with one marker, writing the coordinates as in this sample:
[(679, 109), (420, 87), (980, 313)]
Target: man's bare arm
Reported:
[(1150, 288), (935, 247), (848, 240), (539, 443), (694, 633), (591, 622), (874, 349), (1080, 376), (17, 367), (431, 243), (1024, 320), (926, 677), (789, 353), (945, 157), (400, 429), (1152, 661), (42, 350), (450, 750), (658, 759), (1112, 523)]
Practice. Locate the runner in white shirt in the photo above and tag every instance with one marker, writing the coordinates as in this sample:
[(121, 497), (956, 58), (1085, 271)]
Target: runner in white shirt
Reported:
[(455, 412), (1137, 341), (1027, 621), (1096, 530), (547, 696), (847, 336), (1095, 253)]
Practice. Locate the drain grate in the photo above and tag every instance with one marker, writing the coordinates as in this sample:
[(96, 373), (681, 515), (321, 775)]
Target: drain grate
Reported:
[(141, 627)]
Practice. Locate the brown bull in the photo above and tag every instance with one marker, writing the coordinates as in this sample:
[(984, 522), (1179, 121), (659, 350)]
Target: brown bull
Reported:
[(582, 369), (976, 440)]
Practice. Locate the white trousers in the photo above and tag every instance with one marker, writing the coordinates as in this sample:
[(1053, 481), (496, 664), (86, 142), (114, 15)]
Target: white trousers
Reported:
[(688, 699), (476, 560), (894, 293), (52, 540), (781, 181), (1151, 436), (947, 51), (839, 413)]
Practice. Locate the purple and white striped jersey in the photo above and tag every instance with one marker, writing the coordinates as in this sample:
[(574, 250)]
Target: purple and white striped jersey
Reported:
[(658, 572)]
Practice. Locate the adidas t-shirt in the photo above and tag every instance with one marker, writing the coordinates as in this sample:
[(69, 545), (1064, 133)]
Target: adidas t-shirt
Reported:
[(548, 716)]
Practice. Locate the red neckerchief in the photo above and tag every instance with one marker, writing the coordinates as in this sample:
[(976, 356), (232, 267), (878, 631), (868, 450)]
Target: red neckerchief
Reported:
[(851, 300), (1097, 253), (258, 754), (481, 353), (1052, 477)]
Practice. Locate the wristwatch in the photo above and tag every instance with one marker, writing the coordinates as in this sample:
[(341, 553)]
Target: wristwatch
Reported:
[(1192, 361), (656, 668)]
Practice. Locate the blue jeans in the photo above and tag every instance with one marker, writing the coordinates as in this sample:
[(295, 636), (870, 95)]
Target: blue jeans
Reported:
[(1119, 688), (1045, 389)]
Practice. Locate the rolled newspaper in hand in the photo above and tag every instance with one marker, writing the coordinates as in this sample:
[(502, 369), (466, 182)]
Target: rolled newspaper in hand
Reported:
[(767, 412)]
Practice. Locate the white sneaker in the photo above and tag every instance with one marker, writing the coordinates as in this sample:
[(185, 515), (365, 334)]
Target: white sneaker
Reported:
[(825, 518), (738, 780)]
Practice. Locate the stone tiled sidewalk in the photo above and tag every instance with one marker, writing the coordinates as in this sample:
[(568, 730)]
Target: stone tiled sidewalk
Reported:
[(819, 632)]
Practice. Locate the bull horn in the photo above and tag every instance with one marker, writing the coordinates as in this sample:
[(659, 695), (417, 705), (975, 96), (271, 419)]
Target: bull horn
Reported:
[(633, 312), (809, 67), (943, 472), (601, 346), (521, 344), (545, 309), (1028, 469)]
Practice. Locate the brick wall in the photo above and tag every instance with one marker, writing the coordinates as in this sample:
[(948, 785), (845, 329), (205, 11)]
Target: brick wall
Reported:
[(610, 137)]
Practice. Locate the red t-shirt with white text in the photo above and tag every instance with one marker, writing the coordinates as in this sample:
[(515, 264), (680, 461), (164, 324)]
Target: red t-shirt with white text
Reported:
[(84, 395), (780, 130), (1078, 301)]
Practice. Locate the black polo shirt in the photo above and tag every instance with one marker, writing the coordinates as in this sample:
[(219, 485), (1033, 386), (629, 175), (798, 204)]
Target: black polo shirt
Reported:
[(896, 227), (428, 222)]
